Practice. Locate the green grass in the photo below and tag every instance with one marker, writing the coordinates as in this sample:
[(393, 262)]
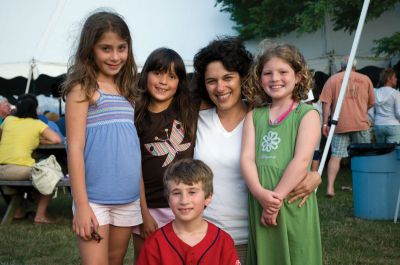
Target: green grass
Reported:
[(25, 243), (345, 239), (349, 240)]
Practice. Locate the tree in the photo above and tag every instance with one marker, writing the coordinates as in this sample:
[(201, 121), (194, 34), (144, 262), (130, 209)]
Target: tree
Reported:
[(273, 18), (389, 45)]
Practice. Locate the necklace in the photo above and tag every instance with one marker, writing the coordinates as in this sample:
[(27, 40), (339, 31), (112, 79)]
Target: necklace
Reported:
[(282, 116)]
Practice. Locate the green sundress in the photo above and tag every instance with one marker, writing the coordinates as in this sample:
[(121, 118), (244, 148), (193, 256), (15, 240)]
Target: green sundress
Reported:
[(296, 240)]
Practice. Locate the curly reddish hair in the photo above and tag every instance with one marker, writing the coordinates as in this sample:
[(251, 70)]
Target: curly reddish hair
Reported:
[(253, 90)]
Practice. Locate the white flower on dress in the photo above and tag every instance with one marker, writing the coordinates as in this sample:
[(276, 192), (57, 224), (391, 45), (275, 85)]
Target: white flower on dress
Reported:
[(270, 141)]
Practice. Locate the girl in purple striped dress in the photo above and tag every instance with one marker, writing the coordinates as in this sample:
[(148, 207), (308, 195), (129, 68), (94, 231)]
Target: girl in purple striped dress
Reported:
[(103, 146)]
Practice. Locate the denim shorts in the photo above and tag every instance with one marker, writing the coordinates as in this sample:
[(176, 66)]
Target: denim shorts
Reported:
[(341, 141), (387, 133)]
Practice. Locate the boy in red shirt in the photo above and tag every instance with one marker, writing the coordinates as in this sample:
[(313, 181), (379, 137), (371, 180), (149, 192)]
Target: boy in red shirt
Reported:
[(189, 239)]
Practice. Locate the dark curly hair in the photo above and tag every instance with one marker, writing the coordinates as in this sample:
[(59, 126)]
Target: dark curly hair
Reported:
[(233, 55)]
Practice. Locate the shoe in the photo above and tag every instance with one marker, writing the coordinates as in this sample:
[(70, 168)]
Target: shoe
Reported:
[(346, 188)]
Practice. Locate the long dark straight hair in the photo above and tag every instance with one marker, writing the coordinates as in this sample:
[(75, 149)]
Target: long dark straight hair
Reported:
[(163, 60)]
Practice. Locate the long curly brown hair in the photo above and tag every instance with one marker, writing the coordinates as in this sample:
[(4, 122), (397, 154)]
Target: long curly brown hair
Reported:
[(252, 88), (83, 69)]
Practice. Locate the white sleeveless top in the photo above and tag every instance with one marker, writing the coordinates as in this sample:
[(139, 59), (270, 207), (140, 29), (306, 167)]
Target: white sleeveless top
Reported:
[(220, 150)]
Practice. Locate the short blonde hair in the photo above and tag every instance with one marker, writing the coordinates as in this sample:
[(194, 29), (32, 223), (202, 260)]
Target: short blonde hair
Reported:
[(52, 116), (253, 90), (189, 171)]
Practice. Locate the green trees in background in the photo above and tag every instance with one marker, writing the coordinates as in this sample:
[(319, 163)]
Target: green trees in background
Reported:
[(273, 18)]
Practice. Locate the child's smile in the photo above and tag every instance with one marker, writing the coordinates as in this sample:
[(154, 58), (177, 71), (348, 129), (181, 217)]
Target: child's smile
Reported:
[(278, 79), (162, 87), (187, 201)]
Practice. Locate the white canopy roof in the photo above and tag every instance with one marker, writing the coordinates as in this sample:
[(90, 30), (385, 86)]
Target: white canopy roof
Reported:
[(42, 33)]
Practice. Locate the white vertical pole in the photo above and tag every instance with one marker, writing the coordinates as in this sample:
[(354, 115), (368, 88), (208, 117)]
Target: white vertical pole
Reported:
[(28, 82), (344, 83)]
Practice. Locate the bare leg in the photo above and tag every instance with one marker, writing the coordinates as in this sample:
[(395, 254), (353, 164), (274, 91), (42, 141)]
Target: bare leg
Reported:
[(137, 246), (333, 169), (315, 165), (41, 213), (119, 241), (94, 253), (19, 213)]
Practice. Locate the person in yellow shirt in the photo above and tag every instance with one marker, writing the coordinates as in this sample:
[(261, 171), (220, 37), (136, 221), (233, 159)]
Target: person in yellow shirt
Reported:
[(5, 108), (20, 134)]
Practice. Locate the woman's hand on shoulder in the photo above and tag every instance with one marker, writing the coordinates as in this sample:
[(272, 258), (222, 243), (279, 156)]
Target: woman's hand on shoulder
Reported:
[(307, 186), (84, 222)]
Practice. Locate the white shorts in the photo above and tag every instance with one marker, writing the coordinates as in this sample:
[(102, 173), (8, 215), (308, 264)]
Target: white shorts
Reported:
[(161, 215), (123, 215)]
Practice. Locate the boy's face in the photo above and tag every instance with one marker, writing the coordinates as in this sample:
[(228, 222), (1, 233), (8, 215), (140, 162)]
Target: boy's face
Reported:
[(187, 202)]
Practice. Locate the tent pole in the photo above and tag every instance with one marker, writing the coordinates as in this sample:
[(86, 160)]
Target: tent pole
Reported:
[(344, 83), (28, 82)]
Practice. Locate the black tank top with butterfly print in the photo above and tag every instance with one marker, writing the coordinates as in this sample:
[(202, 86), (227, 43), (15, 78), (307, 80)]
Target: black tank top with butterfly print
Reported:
[(162, 141)]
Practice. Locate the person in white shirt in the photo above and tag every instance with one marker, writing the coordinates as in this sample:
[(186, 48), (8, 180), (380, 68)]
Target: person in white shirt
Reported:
[(220, 69), (386, 112)]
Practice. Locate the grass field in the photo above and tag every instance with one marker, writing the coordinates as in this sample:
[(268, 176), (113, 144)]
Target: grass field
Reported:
[(345, 239)]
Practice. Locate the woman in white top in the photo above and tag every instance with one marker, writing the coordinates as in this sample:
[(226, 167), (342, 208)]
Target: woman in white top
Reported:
[(387, 109), (220, 68)]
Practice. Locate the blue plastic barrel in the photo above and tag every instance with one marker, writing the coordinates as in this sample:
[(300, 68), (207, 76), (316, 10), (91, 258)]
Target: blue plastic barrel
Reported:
[(376, 179)]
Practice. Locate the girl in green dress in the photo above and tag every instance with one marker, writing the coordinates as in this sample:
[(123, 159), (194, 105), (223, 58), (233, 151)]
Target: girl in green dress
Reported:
[(279, 137)]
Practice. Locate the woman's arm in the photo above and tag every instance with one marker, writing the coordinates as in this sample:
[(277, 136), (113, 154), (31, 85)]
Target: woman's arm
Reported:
[(249, 170), (305, 188), (48, 136), (75, 116), (307, 138)]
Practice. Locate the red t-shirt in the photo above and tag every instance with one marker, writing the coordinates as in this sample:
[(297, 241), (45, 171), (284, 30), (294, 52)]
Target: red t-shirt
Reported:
[(164, 247)]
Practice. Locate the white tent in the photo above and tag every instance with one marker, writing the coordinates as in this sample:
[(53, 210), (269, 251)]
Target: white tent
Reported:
[(38, 36)]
